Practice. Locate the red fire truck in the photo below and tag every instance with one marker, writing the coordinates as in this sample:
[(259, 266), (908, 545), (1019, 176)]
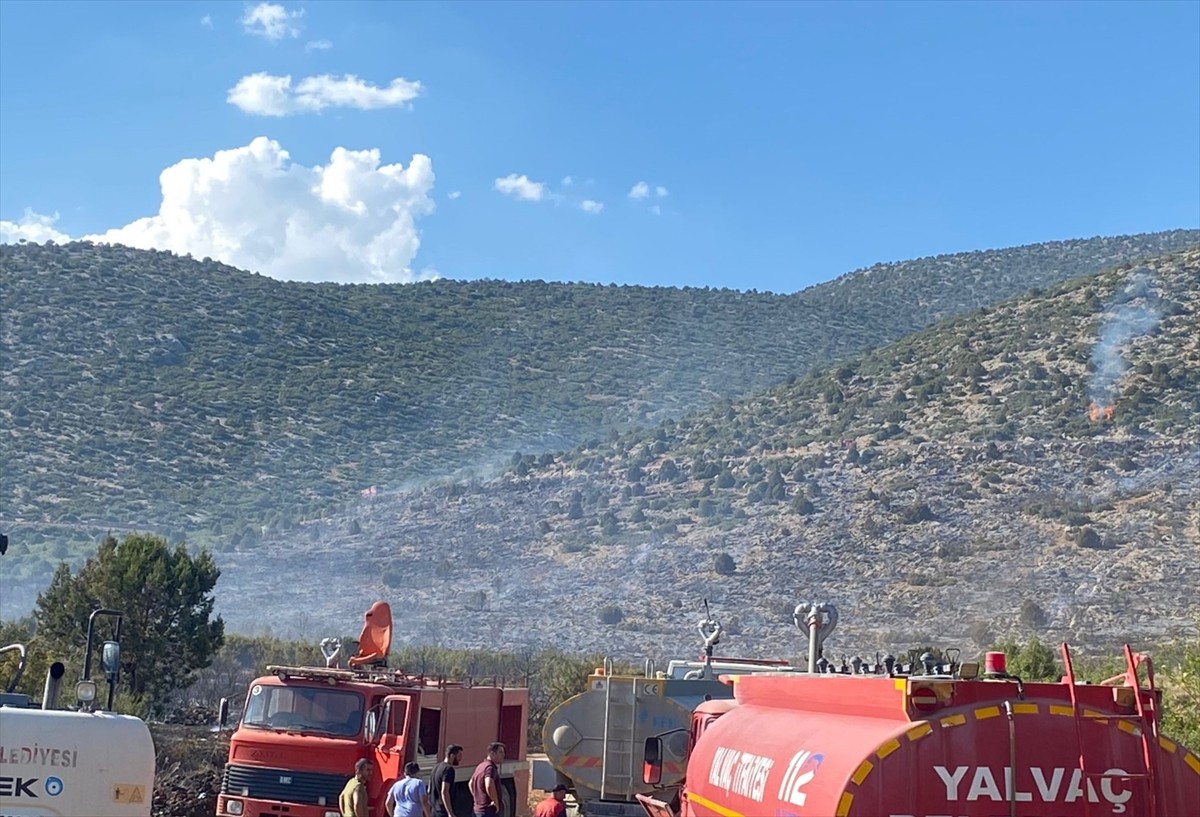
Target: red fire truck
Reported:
[(303, 728), (946, 741)]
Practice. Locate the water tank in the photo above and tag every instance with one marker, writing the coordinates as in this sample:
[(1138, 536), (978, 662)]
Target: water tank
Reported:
[(638, 708), (863, 747)]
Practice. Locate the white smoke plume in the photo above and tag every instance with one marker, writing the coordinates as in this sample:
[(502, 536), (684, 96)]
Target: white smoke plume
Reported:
[(1131, 313)]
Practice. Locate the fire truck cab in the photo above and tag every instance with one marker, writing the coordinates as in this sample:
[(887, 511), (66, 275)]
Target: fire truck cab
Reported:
[(302, 730)]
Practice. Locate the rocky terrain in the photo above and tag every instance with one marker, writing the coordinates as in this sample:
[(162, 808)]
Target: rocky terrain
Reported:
[(1028, 467), (148, 391), (951, 488), (976, 571)]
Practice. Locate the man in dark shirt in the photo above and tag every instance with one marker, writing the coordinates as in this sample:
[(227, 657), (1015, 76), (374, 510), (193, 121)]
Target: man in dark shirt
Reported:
[(441, 782), (485, 783)]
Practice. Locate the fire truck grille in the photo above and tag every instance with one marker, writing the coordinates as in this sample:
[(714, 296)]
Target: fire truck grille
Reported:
[(282, 784)]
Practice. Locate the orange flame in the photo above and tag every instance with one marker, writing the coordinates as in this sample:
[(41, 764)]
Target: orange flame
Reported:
[(1096, 413)]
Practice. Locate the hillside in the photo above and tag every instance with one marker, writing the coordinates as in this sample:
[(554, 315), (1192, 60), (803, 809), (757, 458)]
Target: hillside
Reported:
[(144, 390), (949, 488)]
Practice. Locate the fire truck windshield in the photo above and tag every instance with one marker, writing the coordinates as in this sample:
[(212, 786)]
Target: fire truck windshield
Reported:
[(305, 709)]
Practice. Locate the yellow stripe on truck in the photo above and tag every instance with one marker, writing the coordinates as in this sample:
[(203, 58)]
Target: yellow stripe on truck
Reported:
[(861, 773), (919, 731), (887, 748), (709, 804)]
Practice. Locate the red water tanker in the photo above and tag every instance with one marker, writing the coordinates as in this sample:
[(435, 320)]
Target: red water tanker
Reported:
[(936, 745)]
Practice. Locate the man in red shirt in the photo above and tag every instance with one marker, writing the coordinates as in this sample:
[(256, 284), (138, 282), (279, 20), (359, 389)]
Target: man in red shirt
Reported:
[(485, 783), (553, 806)]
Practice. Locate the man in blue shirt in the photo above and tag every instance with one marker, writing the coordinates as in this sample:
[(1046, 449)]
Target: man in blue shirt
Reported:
[(408, 796)]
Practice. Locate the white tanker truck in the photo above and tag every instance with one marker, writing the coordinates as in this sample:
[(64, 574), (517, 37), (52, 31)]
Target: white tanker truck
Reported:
[(80, 763), (595, 740)]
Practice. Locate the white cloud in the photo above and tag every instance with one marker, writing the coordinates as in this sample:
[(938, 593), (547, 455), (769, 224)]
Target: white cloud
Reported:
[(520, 187), (269, 95), (453, 194), (352, 220), (206, 21), (641, 190), (654, 208), (589, 206), (32, 227), (567, 181), (318, 45), (271, 21)]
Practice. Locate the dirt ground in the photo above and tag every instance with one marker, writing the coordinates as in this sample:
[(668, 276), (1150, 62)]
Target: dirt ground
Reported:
[(191, 759)]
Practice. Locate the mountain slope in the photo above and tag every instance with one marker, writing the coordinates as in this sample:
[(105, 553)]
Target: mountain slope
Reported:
[(950, 487), (143, 390)]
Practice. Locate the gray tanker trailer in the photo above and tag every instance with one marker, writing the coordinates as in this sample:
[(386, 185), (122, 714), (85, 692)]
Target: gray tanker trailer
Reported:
[(595, 740)]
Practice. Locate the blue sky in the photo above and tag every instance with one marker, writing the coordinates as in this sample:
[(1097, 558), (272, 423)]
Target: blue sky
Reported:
[(792, 142)]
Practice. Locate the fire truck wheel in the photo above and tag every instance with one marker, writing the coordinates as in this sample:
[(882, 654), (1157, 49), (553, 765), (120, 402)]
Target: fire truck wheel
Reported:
[(510, 797), (461, 799)]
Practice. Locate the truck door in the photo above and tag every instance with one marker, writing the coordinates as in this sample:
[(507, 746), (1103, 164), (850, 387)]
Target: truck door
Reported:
[(394, 736)]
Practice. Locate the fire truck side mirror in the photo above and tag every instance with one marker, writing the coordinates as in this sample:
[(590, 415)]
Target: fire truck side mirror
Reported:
[(652, 764), (223, 713), (373, 723)]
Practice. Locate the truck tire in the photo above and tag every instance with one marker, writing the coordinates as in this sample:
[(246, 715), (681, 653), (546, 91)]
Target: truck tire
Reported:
[(460, 798), (510, 797), (464, 804)]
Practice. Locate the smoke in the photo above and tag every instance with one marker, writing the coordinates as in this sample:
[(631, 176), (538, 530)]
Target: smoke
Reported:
[(1131, 313)]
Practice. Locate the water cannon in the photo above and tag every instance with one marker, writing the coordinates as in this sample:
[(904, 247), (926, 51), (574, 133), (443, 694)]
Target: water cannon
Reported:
[(816, 621), (710, 632), (331, 649)]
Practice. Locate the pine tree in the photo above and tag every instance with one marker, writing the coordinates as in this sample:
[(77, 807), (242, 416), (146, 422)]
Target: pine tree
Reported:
[(168, 630)]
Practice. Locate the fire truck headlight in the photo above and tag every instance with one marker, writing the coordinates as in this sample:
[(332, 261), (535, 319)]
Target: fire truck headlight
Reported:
[(332, 814), (233, 807)]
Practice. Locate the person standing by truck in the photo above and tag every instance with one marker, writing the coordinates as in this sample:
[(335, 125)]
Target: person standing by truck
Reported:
[(553, 806), (485, 783), (441, 783), (352, 802), (408, 796)]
